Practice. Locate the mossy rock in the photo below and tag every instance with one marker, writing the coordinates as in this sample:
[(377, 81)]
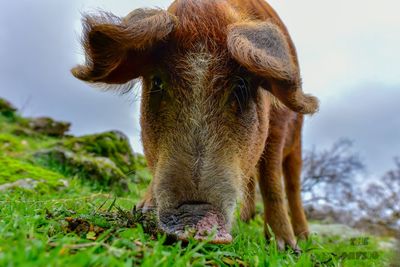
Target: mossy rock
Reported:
[(96, 169), (113, 145), (7, 109), (21, 131), (48, 126)]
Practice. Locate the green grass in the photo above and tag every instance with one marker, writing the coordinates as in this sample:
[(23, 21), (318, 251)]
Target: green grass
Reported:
[(85, 225), (34, 231)]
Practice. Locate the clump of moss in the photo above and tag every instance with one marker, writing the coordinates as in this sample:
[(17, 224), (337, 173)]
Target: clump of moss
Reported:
[(113, 145), (9, 143), (13, 169)]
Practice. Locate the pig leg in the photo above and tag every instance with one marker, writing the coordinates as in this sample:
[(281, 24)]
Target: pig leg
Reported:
[(147, 202), (292, 173), (248, 209), (271, 186)]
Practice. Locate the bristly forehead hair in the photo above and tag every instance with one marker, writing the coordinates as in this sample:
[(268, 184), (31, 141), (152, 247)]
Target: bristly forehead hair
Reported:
[(203, 21)]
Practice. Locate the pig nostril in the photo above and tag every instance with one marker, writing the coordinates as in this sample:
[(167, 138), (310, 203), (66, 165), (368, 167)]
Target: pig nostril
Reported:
[(174, 219)]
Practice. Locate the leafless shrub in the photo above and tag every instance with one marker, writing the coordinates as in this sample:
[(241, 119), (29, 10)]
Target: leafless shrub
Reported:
[(380, 201), (333, 187), (329, 175)]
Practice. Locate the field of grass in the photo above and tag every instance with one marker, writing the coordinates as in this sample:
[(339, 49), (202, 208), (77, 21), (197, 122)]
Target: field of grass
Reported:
[(65, 220), (82, 227)]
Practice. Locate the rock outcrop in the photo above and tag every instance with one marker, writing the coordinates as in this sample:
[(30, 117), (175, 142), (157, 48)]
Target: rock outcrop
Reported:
[(48, 126), (104, 159)]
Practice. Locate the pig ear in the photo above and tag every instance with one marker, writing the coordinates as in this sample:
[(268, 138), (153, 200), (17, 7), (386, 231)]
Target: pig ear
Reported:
[(117, 50), (264, 50)]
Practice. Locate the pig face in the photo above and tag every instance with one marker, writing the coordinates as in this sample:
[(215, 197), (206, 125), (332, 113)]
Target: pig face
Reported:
[(204, 124), (208, 81)]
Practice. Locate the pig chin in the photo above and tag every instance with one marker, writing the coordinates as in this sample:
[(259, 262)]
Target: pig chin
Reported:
[(198, 220)]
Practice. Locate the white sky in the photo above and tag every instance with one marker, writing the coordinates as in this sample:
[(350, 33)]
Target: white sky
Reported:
[(348, 50)]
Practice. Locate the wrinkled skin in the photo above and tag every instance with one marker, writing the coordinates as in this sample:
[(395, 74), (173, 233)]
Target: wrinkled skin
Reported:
[(221, 107)]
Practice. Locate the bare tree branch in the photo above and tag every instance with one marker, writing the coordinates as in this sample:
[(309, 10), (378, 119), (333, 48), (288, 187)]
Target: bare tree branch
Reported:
[(330, 173)]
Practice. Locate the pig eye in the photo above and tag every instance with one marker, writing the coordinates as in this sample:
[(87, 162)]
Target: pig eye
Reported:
[(240, 94), (157, 93), (157, 84)]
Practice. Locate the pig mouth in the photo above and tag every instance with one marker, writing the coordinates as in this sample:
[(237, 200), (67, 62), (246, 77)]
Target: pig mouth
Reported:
[(200, 221)]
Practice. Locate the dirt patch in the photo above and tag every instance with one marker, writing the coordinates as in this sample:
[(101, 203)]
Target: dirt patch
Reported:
[(92, 226)]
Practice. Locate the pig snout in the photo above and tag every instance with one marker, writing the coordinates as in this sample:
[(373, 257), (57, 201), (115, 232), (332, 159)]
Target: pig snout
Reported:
[(198, 220)]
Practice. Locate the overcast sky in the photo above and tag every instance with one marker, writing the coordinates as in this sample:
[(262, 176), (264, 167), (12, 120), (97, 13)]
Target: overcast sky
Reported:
[(348, 49)]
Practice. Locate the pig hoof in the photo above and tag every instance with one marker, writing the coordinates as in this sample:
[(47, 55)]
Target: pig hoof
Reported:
[(303, 235), (288, 244), (146, 205), (247, 216)]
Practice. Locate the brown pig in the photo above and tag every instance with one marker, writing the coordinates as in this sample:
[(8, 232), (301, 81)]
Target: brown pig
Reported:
[(222, 108)]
